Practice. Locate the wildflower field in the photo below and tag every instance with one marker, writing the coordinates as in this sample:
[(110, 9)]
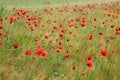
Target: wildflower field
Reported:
[(59, 40)]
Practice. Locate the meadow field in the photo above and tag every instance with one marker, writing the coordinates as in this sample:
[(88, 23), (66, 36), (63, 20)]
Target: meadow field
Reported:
[(59, 40)]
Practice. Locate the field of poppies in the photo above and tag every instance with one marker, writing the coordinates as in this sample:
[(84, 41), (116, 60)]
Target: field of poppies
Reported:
[(60, 41)]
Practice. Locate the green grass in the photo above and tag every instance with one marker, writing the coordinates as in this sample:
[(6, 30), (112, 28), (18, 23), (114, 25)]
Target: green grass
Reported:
[(15, 65), (33, 4)]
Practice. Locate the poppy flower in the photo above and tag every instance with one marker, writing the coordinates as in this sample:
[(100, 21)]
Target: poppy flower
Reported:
[(77, 19), (66, 55), (31, 28), (100, 33), (60, 46), (3, 34), (36, 40), (117, 29), (35, 24), (45, 58), (52, 31), (112, 26), (58, 50), (15, 46), (117, 32), (1, 19), (111, 37), (0, 43), (90, 64), (48, 50), (44, 53), (104, 53), (28, 52), (62, 35), (54, 27), (60, 25), (89, 58), (46, 36), (74, 67), (33, 57), (95, 19), (83, 20), (62, 31), (1, 27), (70, 32), (90, 37), (83, 74), (12, 19), (38, 51), (50, 41), (83, 24), (108, 14)]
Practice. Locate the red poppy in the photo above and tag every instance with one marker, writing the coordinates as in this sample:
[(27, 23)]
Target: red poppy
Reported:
[(38, 51), (61, 35), (46, 36), (74, 67), (66, 55), (15, 46), (83, 24), (35, 24), (83, 74), (44, 53), (54, 27), (12, 19), (100, 33), (90, 64), (111, 37), (45, 58), (1, 27), (117, 29), (0, 43), (104, 53), (108, 14), (112, 26), (60, 25), (60, 46), (63, 31), (48, 50), (50, 41), (94, 19), (58, 50), (1, 19), (90, 37), (77, 19), (36, 40), (28, 52), (33, 57), (52, 31), (89, 58)]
